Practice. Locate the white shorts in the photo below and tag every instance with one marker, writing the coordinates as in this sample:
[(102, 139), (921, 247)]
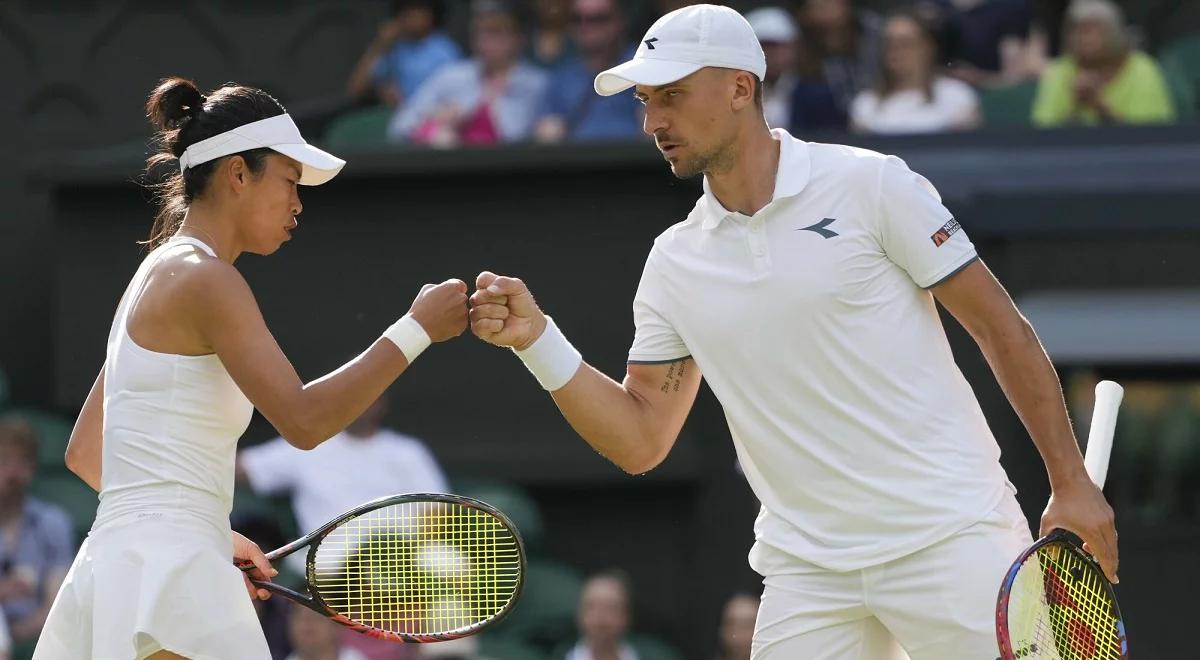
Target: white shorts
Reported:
[(158, 584), (938, 603)]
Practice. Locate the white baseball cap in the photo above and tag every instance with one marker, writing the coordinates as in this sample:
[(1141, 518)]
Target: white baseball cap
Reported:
[(772, 25), (683, 42), (278, 133)]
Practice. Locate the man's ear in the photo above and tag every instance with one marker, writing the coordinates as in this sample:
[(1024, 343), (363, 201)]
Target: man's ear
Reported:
[(743, 89)]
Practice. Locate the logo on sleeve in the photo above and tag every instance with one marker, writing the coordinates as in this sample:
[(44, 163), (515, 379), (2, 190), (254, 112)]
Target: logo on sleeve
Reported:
[(942, 235), (650, 42)]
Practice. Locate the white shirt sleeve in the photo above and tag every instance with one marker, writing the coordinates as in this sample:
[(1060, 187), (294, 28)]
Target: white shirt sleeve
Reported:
[(270, 467), (423, 474), (915, 230), (5, 640), (654, 338)]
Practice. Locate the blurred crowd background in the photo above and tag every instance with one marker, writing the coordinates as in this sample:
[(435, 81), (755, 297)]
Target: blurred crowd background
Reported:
[(1062, 133)]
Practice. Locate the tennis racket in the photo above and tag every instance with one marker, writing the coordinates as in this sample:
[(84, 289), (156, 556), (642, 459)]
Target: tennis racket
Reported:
[(410, 568), (1055, 602)]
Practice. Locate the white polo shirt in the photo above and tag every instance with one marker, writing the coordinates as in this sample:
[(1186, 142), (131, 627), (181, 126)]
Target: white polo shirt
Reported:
[(812, 324)]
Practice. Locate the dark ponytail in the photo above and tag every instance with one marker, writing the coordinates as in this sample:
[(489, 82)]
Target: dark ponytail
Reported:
[(183, 116)]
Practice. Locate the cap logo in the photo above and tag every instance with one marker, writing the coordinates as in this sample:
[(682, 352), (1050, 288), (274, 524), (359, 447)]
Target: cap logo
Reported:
[(650, 42)]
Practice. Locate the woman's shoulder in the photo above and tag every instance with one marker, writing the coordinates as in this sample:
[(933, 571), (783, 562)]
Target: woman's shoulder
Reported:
[(953, 89)]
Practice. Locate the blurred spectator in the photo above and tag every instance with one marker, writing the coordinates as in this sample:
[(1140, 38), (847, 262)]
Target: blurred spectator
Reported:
[(5, 640), (603, 619), (844, 43), (573, 110), (912, 95), (315, 637), (463, 648), (1101, 79), (982, 39), (778, 35), (408, 48), (493, 97), (36, 542), (737, 627), (549, 42), (362, 463)]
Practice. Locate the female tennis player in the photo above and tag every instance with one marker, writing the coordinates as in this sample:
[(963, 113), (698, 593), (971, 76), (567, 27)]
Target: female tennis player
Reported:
[(189, 357)]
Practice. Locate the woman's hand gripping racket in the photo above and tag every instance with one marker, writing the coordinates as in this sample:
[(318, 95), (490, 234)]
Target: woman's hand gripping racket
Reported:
[(411, 568), (1055, 602)]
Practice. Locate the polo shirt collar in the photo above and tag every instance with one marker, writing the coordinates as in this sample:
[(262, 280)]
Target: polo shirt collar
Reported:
[(790, 178)]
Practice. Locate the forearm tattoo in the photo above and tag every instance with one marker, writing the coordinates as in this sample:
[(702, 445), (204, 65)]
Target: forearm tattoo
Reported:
[(675, 373)]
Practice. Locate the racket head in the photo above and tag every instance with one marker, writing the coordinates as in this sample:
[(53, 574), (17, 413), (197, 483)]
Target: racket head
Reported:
[(1056, 604), (417, 568)]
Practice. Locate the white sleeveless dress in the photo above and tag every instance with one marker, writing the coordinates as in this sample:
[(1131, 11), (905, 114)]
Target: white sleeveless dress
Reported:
[(156, 572)]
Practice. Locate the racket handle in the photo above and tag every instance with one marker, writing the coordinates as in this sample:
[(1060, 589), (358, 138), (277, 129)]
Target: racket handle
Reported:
[(1100, 435)]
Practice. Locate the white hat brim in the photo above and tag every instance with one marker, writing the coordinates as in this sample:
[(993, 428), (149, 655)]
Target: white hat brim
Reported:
[(643, 71), (318, 166)]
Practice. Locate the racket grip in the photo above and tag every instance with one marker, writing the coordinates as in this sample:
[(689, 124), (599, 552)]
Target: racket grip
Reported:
[(244, 565)]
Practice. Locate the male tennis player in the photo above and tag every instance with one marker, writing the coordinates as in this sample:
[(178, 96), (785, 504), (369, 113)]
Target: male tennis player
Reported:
[(802, 285)]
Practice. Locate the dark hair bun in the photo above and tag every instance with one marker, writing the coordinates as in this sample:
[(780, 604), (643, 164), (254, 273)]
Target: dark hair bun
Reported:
[(174, 100)]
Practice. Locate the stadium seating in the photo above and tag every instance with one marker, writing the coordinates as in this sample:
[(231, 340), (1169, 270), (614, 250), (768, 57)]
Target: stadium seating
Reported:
[(358, 128), (1008, 106), (5, 391), (1181, 65), (511, 500), (545, 614), (58, 486)]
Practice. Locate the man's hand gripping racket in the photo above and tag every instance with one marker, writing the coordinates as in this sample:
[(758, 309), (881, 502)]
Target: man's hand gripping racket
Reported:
[(1056, 602)]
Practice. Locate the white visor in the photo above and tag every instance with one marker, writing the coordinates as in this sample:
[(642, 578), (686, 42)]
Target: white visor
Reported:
[(278, 133)]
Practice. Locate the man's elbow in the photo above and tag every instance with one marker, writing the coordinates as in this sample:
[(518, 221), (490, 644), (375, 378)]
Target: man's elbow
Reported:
[(649, 455)]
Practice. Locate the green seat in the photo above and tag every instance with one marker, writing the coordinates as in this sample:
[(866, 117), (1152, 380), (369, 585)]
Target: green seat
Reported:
[(500, 647), (275, 508), (1180, 61), (512, 501), (358, 128), (1011, 105), (68, 491), (545, 613), (53, 432)]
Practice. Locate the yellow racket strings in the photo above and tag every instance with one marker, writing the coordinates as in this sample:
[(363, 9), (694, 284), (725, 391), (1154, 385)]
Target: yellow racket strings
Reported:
[(1059, 609), (419, 568)]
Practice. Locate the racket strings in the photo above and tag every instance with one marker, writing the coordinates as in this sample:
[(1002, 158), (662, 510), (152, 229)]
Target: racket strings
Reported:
[(1060, 608), (419, 568)]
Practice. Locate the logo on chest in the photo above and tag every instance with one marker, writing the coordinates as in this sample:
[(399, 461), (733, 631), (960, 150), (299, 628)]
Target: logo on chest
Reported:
[(821, 228)]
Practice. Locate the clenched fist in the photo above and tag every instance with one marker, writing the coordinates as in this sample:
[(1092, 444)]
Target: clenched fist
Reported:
[(504, 313), (441, 309)]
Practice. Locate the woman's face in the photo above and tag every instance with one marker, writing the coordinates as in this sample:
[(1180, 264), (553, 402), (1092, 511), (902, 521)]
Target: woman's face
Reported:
[(495, 39), (907, 53), (269, 204), (1088, 41)]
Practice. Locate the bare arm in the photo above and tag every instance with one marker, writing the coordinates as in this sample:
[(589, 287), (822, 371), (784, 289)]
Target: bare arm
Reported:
[(361, 78), (1029, 381), (227, 316), (86, 445), (634, 424)]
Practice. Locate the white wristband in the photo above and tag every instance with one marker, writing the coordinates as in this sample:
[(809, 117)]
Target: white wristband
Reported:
[(552, 359), (408, 335)]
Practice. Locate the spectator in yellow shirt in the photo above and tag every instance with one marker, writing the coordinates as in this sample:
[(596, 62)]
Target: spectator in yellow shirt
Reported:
[(1101, 79)]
